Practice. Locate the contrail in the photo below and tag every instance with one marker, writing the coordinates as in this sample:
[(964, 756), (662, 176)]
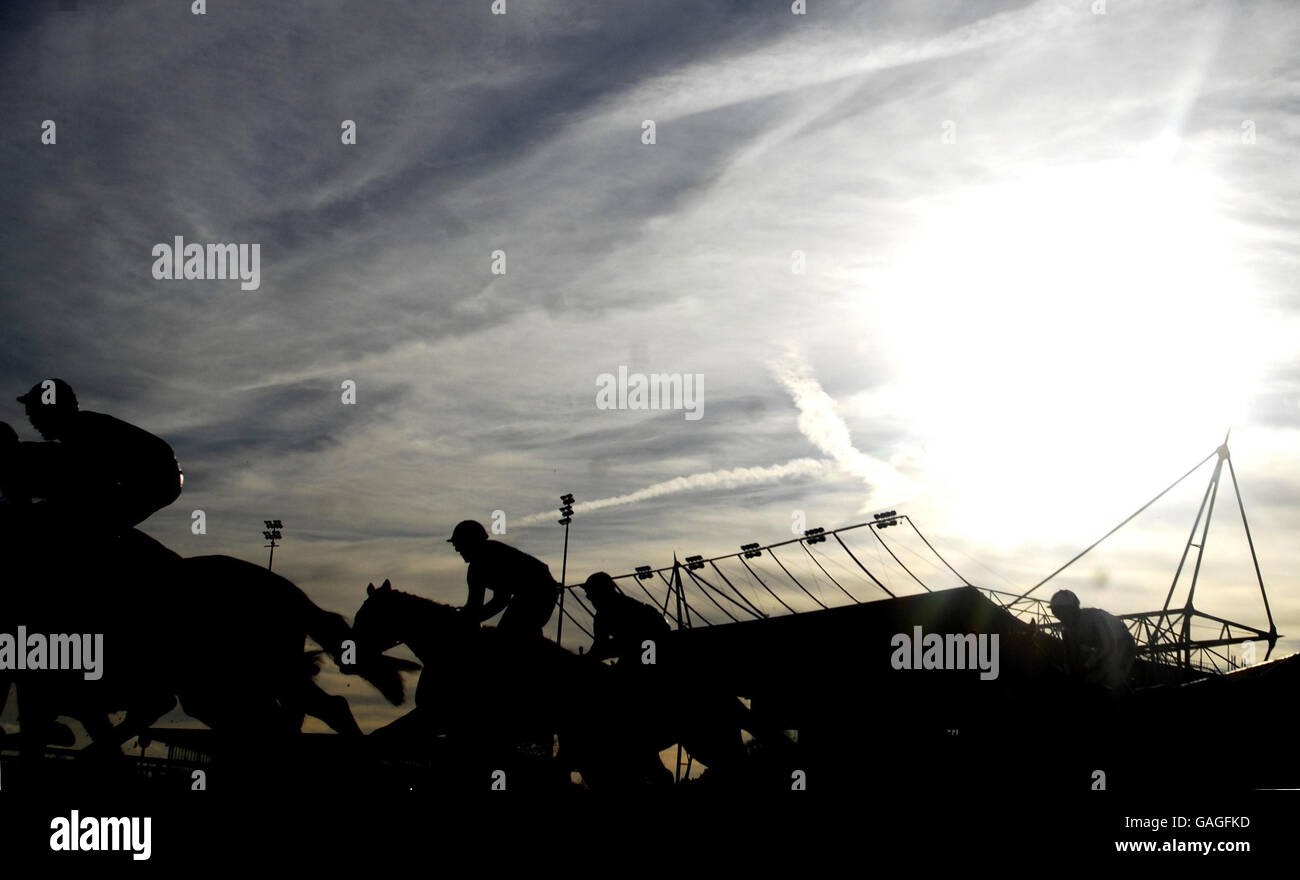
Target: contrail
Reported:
[(728, 479), (821, 424)]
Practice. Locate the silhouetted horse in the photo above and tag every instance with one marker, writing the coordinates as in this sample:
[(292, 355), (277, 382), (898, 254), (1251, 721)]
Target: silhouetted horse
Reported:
[(225, 636), (258, 643), (49, 590), (498, 689)]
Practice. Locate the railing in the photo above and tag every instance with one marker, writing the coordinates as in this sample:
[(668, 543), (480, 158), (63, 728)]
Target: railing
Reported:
[(1162, 636), (698, 592)]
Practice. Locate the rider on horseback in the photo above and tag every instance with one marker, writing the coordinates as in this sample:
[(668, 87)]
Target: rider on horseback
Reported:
[(95, 463), (95, 477), (521, 585), (622, 624), (1099, 650)]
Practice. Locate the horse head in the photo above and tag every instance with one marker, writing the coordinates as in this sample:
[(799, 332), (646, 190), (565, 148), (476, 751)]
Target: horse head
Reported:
[(390, 617), (377, 625)]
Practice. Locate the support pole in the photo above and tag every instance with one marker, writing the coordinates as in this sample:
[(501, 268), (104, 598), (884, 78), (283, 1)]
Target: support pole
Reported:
[(566, 517), (1272, 628), (677, 591), (564, 580), (1206, 510)]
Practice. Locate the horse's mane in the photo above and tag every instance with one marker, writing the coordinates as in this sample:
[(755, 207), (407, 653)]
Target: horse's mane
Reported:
[(448, 612), (401, 604), (413, 599)]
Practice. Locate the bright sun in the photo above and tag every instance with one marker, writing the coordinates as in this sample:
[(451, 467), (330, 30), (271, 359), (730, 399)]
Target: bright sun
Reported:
[(1078, 327)]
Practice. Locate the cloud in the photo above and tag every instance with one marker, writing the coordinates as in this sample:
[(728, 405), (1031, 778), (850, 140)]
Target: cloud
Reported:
[(775, 133), (821, 423)]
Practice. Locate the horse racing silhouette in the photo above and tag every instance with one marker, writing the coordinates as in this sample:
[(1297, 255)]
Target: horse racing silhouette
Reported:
[(227, 641), (491, 690), (171, 635), (226, 638)]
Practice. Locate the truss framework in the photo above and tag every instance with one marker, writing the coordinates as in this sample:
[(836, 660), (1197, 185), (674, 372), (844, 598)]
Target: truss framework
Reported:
[(1164, 636)]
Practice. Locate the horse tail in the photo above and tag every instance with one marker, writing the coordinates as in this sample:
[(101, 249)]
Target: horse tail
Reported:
[(327, 629)]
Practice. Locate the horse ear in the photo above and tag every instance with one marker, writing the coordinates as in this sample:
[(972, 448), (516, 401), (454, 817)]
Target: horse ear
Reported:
[(370, 589), (386, 585)]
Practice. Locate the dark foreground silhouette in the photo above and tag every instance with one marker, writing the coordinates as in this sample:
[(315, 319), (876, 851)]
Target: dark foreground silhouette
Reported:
[(224, 637), (494, 691), (227, 640)]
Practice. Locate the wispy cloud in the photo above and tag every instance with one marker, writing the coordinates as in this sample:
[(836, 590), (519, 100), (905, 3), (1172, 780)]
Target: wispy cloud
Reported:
[(957, 305), (821, 423)]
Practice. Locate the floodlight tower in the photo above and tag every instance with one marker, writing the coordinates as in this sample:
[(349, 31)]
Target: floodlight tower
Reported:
[(272, 534), (566, 517)]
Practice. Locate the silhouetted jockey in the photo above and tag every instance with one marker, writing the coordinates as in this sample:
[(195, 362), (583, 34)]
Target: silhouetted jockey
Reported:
[(521, 585), (95, 466), (622, 623), (1099, 649)]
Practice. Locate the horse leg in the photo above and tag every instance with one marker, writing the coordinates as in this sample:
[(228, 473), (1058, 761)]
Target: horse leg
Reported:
[(409, 734), (138, 719), (333, 710), (711, 730), (102, 740), (722, 750), (652, 769), (37, 725)]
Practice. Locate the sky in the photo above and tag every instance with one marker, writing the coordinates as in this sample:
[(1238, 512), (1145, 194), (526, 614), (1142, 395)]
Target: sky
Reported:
[(1010, 268)]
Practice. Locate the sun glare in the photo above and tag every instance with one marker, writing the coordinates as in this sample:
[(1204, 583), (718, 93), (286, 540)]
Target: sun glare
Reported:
[(1048, 323)]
